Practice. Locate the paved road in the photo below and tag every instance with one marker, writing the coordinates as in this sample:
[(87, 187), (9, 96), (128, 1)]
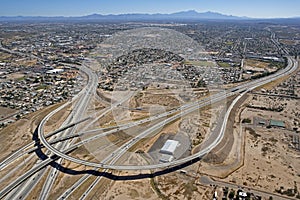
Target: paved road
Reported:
[(80, 107), (62, 150), (252, 86), (119, 152), (292, 66), (208, 181), (76, 115)]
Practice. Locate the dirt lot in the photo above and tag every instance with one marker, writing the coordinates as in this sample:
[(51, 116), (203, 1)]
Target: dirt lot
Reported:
[(177, 185), (4, 112), (4, 57), (256, 65), (171, 186), (228, 155), (137, 189), (20, 133), (15, 76), (289, 107), (148, 99), (269, 163)]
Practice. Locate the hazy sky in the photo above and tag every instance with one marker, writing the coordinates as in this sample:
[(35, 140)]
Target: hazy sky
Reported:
[(250, 8)]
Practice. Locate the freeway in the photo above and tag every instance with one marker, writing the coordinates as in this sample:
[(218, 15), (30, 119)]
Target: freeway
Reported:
[(29, 173), (77, 184), (27, 187), (118, 153), (79, 108), (292, 66), (53, 171), (62, 149), (19, 153), (25, 150), (76, 115)]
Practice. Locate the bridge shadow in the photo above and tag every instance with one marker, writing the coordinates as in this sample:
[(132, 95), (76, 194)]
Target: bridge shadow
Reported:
[(38, 144), (123, 177), (108, 175)]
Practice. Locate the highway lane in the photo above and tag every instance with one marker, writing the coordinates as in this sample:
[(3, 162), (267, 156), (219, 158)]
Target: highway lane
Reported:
[(53, 172), (78, 183), (80, 110), (17, 154), (29, 173), (22, 191), (8, 160), (106, 111), (252, 88), (89, 88), (75, 186), (96, 181), (29, 185), (292, 65), (208, 149), (76, 115), (12, 171), (31, 146), (253, 85), (25, 188)]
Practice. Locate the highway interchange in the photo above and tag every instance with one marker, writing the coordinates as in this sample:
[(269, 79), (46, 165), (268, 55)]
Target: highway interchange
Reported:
[(58, 146), (185, 109)]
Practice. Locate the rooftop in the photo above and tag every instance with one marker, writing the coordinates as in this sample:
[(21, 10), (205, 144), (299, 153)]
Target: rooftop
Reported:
[(169, 147), (276, 123)]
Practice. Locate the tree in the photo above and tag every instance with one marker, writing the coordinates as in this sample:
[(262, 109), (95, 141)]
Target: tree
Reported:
[(18, 116), (231, 194), (201, 83), (247, 120)]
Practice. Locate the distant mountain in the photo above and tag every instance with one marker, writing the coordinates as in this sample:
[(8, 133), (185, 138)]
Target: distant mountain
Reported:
[(178, 16), (184, 15), (192, 14)]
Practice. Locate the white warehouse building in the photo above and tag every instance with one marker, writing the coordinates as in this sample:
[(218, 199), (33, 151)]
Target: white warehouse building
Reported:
[(169, 147), (55, 71)]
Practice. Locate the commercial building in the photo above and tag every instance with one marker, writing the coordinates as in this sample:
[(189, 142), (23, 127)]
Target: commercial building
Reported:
[(54, 71), (169, 147)]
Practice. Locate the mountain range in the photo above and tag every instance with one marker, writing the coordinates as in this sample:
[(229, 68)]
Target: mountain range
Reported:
[(184, 15), (191, 14)]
